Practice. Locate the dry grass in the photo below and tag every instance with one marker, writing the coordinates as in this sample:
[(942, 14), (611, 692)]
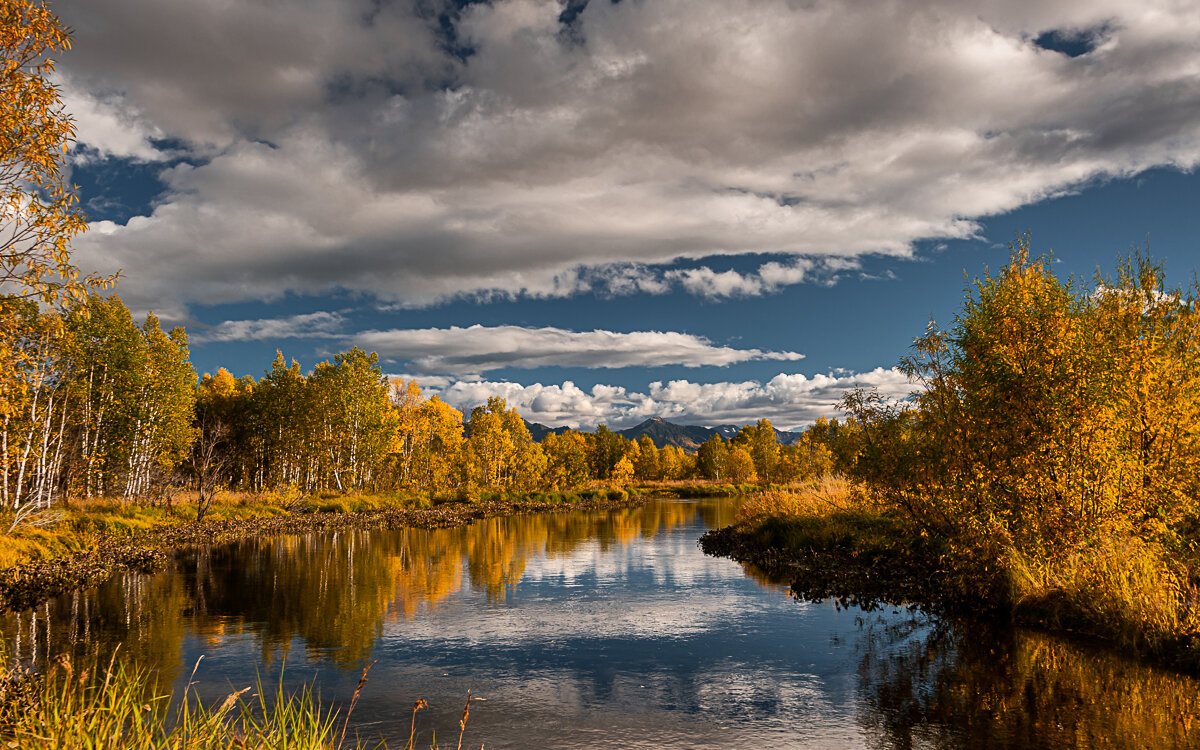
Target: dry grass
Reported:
[(1120, 586), (814, 497)]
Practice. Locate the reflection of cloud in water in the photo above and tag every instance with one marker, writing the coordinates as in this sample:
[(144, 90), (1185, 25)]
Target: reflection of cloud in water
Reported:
[(663, 589)]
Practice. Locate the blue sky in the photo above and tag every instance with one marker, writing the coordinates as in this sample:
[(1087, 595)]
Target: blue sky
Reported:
[(711, 211)]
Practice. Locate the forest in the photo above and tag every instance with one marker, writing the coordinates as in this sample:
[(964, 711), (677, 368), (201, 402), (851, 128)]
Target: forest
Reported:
[(94, 405)]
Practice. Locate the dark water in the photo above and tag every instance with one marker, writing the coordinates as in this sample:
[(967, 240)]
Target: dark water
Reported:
[(575, 630)]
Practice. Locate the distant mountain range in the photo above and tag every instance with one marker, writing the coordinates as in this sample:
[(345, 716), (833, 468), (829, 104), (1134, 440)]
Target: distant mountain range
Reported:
[(664, 433)]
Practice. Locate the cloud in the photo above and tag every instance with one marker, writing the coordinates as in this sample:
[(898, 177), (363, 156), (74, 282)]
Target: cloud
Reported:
[(789, 401), (309, 325), (477, 349), (416, 151), (770, 277), (108, 127)]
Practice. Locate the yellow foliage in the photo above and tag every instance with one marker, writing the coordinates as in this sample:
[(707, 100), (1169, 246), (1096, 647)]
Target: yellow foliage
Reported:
[(39, 211)]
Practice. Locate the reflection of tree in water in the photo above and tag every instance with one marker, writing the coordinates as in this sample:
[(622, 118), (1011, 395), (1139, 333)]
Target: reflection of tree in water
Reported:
[(136, 616), (925, 685), (333, 591)]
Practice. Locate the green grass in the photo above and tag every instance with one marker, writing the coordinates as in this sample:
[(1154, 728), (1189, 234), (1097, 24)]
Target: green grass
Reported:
[(122, 708)]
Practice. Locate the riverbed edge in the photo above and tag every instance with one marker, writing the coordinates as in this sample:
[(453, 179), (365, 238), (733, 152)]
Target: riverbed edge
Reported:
[(29, 584)]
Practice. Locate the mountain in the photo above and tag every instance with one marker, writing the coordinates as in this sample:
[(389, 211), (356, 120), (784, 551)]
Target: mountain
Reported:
[(664, 433), (539, 431)]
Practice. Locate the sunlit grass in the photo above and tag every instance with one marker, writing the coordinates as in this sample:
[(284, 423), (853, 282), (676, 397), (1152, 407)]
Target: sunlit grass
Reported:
[(818, 496), (122, 708), (76, 526), (1118, 586)]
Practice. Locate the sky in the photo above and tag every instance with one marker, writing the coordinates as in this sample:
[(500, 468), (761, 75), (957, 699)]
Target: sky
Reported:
[(712, 211)]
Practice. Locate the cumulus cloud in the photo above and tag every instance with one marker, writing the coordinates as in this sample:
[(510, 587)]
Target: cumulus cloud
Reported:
[(417, 150), (789, 401), (478, 349)]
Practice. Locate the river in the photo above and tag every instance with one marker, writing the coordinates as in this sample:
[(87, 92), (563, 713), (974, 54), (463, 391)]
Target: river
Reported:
[(580, 629)]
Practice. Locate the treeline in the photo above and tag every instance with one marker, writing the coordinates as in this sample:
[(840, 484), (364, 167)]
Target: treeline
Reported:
[(346, 426), (93, 404)]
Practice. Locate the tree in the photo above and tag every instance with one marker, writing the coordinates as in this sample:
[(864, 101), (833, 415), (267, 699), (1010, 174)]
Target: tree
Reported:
[(164, 406), (1051, 415), (622, 472), (710, 459), (356, 419), (761, 443), (492, 446), (566, 460), (646, 464), (739, 467), (39, 212), (208, 461), (33, 405), (441, 445), (607, 448)]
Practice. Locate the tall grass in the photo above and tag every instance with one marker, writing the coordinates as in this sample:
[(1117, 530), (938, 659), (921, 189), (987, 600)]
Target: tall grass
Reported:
[(1119, 586), (818, 496), (122, 708)]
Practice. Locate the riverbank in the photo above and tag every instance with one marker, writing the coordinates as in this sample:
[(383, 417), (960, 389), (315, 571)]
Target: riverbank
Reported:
[(1129, 592), (89, 540)]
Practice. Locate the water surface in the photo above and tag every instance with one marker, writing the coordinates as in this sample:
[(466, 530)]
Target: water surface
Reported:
[(578, 629)]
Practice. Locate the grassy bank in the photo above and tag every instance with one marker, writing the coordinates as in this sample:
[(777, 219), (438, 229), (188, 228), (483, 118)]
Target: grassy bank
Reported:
[(85, 541), (1137, 590), (121, 707)]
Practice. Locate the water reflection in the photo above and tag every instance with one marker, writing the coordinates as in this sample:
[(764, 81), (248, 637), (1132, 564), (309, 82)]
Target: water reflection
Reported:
[(332, 592), (939, 687), (577, 629)]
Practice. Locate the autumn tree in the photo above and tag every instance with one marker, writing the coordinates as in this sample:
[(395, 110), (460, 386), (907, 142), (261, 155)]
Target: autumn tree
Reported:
[(501, 451), (646, 462), (163, 408), (1051, 413), (567, 464), (605, 450), (33, 406), (428, 440), (39, 212), (711, 458), (739, 466), (761, 442), (675, 463), (356, 423)]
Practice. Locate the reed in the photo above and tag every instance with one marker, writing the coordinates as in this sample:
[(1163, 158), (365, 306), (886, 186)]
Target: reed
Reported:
[(120, 707)]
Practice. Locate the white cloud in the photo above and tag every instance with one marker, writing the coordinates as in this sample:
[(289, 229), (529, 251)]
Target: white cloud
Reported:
[(706, 282), (477, 349), (341, 144), (308, 325), (789, 401), (108, 126), (770, 277)]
